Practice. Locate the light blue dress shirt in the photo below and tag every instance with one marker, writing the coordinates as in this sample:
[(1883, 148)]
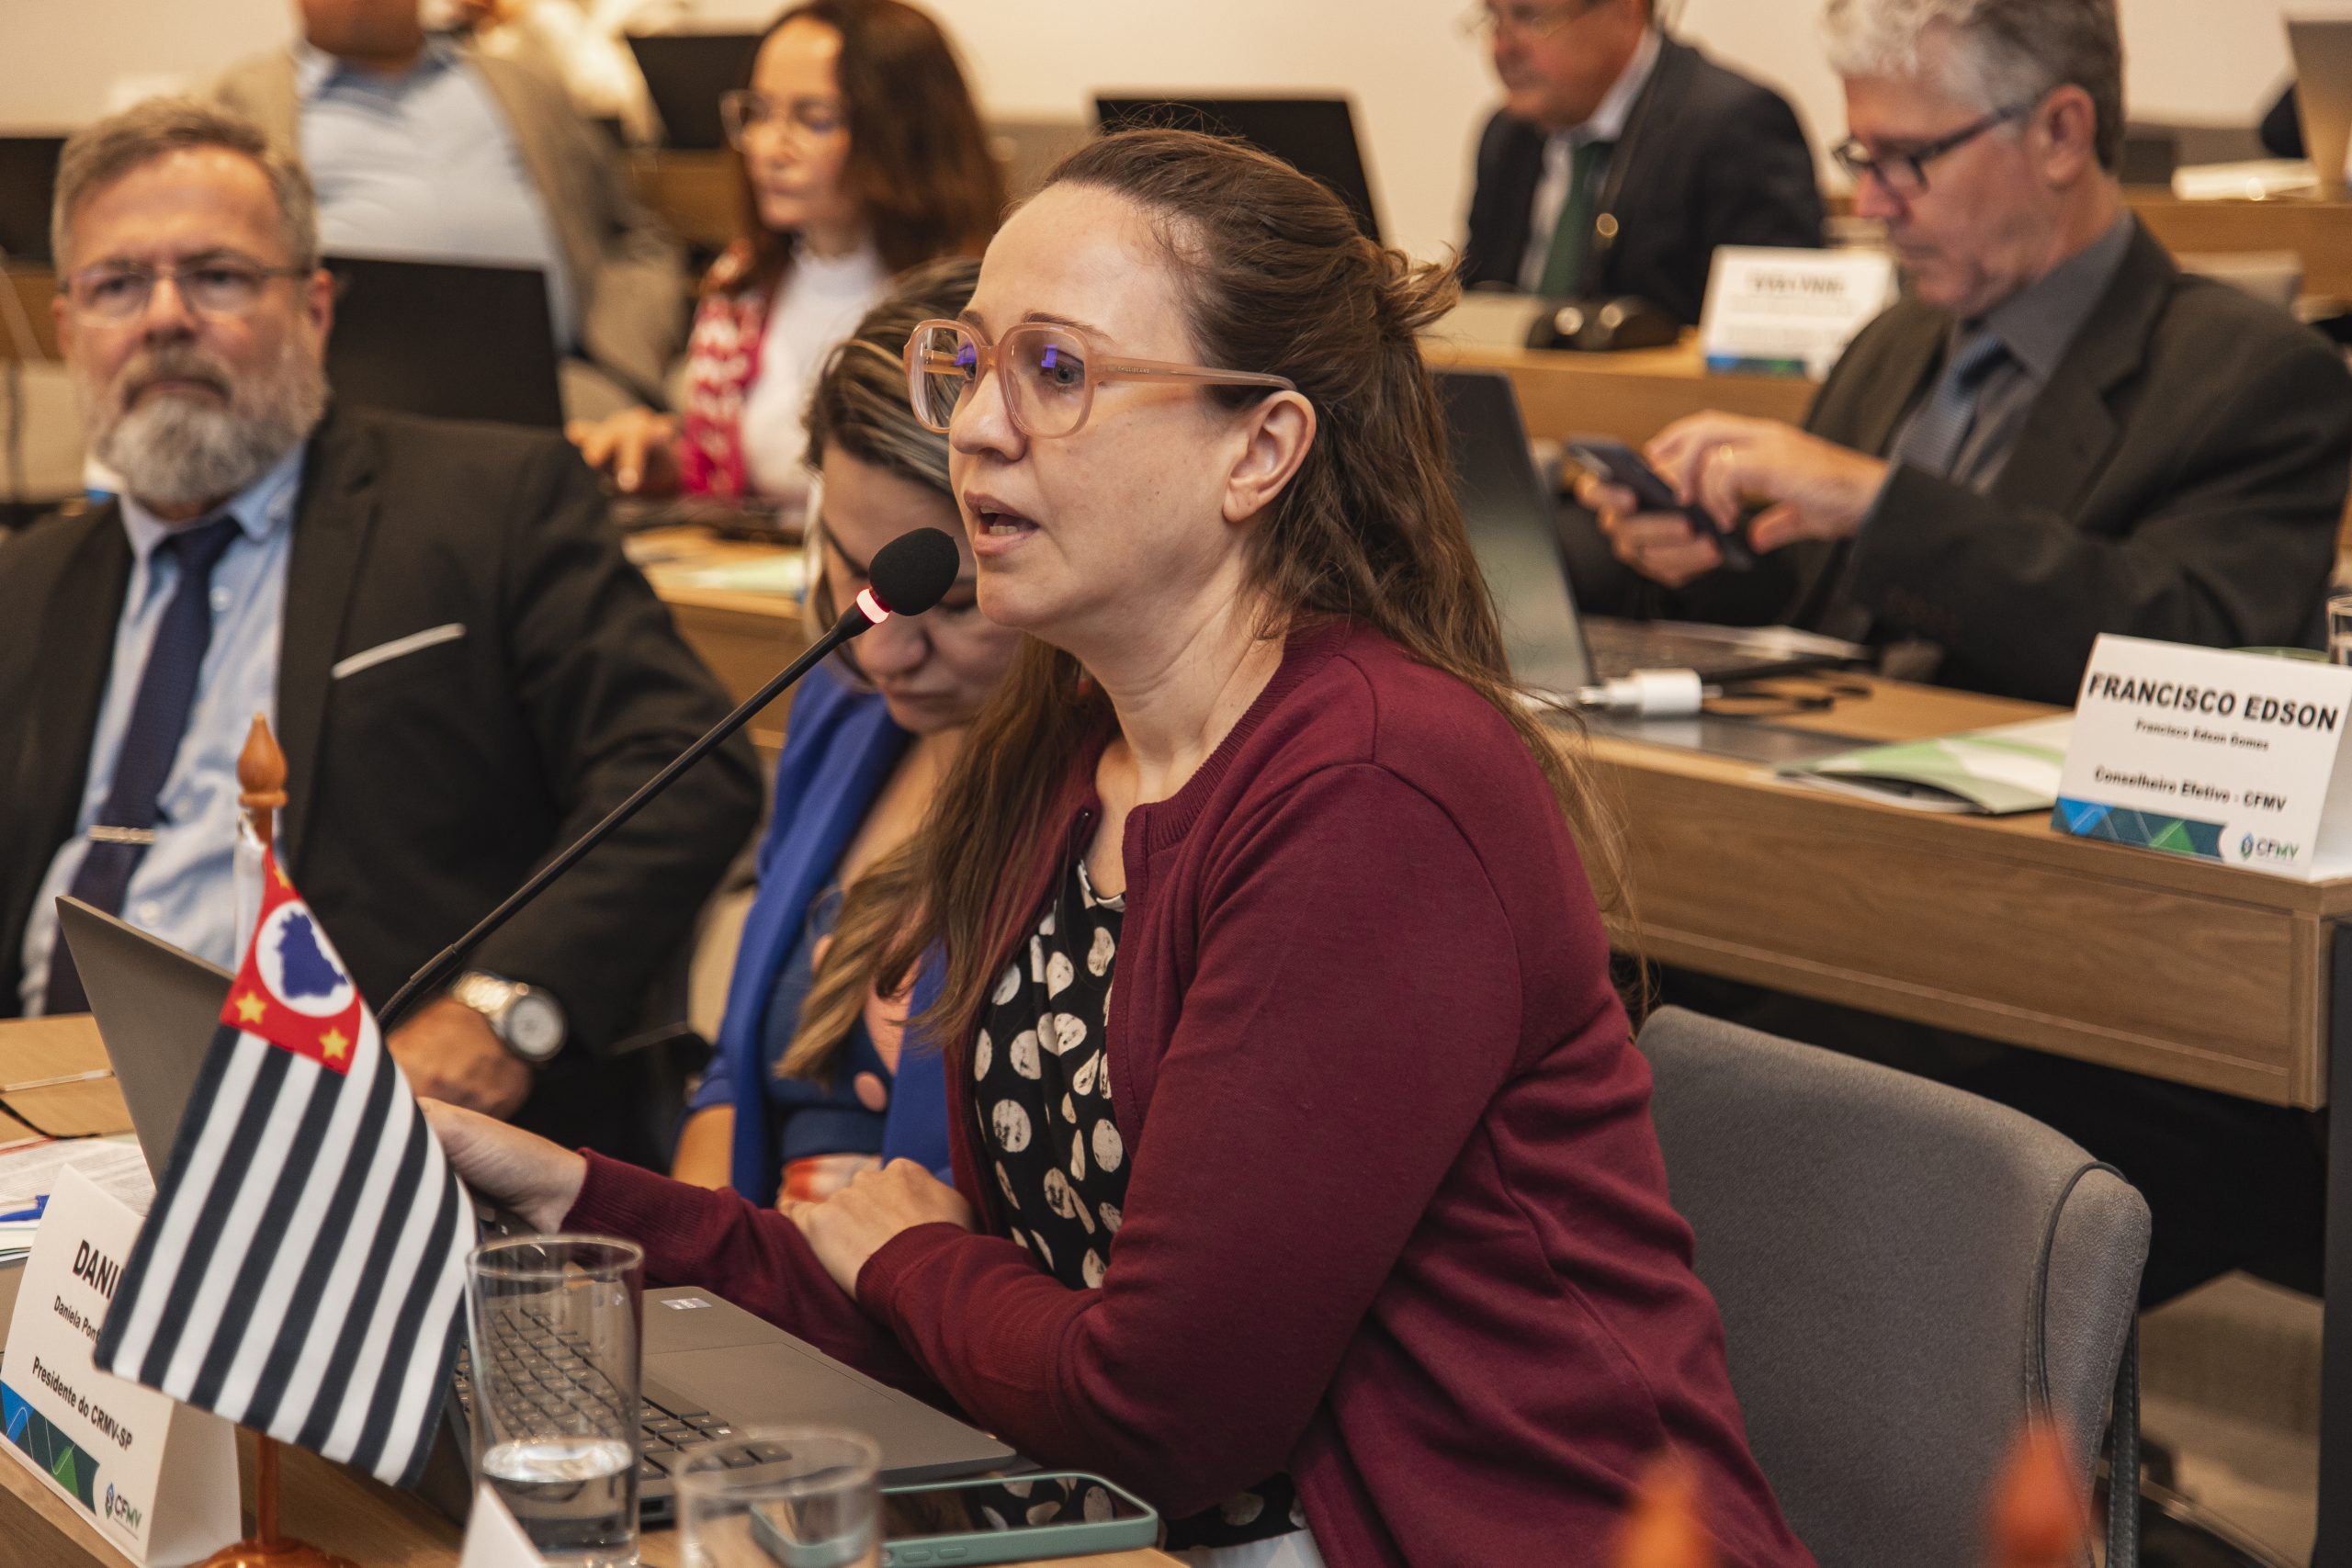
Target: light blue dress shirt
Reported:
[(182, 891), (423, 166)]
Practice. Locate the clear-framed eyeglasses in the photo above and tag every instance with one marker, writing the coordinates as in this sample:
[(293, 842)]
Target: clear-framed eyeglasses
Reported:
[(209, 286), (743, 110), (1049, 373)]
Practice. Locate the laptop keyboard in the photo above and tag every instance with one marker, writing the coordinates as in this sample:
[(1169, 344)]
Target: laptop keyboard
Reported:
[(559, 1380)]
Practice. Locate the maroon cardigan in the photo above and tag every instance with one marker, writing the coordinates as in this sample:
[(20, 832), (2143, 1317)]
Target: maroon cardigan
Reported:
[(1397, 1221)]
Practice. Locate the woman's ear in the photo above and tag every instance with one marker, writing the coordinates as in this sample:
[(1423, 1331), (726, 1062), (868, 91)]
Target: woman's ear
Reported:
[(1279, 433)]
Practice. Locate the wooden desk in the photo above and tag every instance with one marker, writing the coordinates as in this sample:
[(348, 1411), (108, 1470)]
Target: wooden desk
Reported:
[(744, 637), (2201, 974), (374, 1526), (35, 1048), (2320, 231), (1631, 396)]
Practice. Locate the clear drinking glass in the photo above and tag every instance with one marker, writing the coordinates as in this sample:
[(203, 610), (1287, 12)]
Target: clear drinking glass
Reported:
[(554, 1328), (781, 1497), (2339, 628)]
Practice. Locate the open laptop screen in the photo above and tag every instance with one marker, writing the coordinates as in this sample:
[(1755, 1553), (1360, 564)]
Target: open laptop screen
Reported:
[(1510, 514), (1315, 136)]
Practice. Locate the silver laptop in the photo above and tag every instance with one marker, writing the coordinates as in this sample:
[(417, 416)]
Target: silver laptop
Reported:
[(709, 1365), (2322, 51), (1512, 517)]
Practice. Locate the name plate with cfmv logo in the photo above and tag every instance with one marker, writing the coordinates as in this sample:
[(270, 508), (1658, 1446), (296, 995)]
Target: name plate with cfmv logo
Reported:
[(2229, 757), (157, 1477)]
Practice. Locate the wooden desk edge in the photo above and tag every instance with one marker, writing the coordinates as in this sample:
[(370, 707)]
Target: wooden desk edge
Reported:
[(372, 1524)]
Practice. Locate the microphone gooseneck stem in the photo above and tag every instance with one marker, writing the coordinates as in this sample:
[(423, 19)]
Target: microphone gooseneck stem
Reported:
[(437, 974)]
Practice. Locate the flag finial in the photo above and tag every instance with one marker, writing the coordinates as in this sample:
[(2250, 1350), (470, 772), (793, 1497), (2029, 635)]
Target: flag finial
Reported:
[(261, 778)]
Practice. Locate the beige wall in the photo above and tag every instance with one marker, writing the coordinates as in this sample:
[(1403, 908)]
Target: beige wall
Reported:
[(1421, 88)]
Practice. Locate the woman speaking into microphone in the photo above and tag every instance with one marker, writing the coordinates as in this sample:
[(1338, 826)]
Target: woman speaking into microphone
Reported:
[(1305, 1178)]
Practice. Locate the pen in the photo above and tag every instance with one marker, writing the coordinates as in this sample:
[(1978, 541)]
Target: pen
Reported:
[(94, 1074)]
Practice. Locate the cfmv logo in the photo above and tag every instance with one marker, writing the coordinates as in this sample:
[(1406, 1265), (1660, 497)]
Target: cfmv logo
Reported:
[(2252, 847), (120, 1509)]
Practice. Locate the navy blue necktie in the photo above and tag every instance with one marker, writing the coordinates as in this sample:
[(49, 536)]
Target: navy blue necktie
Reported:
[(1936, 437), (126, 824)]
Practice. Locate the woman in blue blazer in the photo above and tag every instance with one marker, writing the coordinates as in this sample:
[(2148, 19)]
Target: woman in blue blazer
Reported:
[(808, 1084)]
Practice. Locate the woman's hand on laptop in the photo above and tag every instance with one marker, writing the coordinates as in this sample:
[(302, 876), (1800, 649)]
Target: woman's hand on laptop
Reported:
[(538, 1179)]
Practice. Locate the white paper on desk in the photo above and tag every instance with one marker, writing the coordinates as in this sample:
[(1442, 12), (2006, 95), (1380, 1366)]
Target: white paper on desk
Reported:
[(493, 1537), (156, 1477), (1770, 309), (116, 1166)]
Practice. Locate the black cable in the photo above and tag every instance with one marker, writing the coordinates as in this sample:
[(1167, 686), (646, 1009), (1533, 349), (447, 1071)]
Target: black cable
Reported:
[(1740, 700), (38, 1131)]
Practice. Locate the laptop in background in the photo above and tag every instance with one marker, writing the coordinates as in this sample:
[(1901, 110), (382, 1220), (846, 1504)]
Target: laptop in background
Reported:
[(1513, 519), (2322, 51), (1315, 136), (706, 1363), (445, 340), (685, 73), (27, 186)]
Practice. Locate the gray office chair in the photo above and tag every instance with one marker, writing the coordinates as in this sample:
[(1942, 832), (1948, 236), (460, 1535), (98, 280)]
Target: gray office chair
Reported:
[(1906, 1271)]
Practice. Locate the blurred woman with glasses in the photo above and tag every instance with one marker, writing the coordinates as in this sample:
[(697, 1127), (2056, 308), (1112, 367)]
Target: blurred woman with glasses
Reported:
[(864, 156), (1305, 1178)]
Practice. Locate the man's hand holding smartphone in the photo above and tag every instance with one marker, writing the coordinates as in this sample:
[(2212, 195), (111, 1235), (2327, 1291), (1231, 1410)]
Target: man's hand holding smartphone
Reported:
[(1651, 528), (1786, 484)]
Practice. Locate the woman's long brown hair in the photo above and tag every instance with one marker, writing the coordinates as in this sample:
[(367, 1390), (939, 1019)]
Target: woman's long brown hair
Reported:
[(1276, 278), (919, 159)]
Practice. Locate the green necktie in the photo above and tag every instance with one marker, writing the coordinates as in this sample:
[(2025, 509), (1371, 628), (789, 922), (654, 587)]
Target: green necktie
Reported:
[(1564, 267)]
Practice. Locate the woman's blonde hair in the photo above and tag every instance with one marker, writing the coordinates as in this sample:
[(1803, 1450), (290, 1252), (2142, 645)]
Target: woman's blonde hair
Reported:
[(860, 409)]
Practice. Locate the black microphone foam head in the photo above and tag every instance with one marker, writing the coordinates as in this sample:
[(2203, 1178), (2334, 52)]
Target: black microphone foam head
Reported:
[(913, 571)]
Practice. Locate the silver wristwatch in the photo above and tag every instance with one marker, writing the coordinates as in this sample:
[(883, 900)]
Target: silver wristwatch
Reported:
[(528, 1021)]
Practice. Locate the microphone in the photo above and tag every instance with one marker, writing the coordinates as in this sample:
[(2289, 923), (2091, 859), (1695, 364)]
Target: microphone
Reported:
[(908, 575)]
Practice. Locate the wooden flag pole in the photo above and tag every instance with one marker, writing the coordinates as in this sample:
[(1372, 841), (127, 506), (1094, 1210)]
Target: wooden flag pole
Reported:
[(261, 781)]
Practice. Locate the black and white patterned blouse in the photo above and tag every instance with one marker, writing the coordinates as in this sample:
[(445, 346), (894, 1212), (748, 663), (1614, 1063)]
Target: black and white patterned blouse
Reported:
[(1042, 1091)]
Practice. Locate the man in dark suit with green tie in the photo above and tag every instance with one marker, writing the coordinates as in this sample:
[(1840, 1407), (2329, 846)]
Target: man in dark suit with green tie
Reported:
[(2056, 433), (1621, 157)]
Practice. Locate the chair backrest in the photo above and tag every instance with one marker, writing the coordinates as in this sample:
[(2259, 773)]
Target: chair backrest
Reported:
[(1904, 1269)]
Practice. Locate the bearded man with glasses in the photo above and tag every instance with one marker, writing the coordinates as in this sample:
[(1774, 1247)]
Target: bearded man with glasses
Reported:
[(1621, 157), (2056, 433), (463, 670)]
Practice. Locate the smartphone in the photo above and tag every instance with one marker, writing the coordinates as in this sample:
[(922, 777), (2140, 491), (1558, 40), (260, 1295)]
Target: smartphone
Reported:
[(1000, 1520), (1627, 469)]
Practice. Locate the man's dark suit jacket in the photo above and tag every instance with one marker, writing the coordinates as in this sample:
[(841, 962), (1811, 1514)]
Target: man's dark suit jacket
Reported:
[(2182, 477), (423, 789), (1711, 159)]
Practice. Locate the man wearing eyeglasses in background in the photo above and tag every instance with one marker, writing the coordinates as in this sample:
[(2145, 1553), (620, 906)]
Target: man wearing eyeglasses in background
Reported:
[(2057, 434), (425, 148), (462, 669), (1621, 158)]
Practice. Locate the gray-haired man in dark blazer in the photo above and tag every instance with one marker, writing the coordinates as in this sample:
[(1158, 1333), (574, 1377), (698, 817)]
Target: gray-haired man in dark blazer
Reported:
[(2057, 434)]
